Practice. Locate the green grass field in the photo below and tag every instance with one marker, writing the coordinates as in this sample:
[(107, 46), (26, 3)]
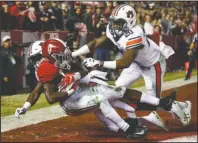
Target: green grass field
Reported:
[(10, 103)]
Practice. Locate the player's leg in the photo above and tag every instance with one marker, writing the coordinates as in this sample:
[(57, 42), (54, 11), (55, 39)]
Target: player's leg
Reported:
[(167, 104), (108, 123), (132, 130), (154, 79), (122, 105), (89, 98), (153, 117), (128, 76)]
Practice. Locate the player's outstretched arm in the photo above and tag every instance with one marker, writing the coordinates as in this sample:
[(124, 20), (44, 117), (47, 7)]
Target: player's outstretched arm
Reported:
[(31, 100), (91, 46), (124, 62), (127, 59)]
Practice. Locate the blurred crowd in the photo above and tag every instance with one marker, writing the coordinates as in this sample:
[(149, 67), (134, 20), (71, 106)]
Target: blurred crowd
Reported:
[(175, 18)]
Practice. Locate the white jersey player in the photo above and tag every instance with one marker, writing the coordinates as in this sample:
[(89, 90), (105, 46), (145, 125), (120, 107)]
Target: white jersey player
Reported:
[(141, 56), (47, 71), (100, 97), (87, 97)]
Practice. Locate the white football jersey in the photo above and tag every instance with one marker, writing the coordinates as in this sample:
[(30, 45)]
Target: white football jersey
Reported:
[(148, 55)]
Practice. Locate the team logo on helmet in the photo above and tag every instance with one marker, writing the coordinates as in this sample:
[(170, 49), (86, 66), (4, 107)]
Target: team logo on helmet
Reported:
[(130, 14), (58, 53)]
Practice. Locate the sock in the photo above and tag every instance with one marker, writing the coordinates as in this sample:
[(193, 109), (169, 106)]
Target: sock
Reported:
[(146, 107), (111, 114), (133, 124), (27, 105), (166, 104)]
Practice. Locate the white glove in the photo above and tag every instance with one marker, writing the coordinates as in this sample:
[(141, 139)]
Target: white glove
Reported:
[(90, 62), (19, 111)]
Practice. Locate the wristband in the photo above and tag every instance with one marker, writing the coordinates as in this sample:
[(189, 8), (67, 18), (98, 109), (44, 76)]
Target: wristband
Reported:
[(70, 92), (81, 51), (109, 64), (77, 76)]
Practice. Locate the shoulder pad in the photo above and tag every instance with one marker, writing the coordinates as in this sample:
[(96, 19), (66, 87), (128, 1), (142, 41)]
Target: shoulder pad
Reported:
[(46, 72), (133, 40)]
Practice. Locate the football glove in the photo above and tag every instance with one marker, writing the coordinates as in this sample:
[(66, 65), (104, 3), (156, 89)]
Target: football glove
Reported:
[(90, 63), (20, 111)]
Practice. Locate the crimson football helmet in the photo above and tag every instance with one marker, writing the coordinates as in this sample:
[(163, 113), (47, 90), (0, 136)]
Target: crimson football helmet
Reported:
[(57, 52)]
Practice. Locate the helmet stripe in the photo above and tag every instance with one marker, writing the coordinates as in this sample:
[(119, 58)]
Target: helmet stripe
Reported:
[(118, 8), (115, 10)]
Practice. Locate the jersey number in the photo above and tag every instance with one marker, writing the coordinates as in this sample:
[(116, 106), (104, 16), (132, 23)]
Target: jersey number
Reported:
[(128, 33)]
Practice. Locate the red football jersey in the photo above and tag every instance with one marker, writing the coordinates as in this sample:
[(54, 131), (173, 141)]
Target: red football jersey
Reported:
[(46, 71)]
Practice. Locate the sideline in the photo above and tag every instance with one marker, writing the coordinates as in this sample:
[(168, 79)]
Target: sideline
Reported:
[(54, 112), (182, 139)]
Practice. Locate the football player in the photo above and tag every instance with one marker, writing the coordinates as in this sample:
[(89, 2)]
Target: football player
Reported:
[(56, 57), (87, 98), (141, 56)]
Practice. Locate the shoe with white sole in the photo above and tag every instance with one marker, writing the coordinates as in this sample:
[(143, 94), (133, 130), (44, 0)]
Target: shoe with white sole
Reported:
[(178, 113), (187, 110), (155, 119), (139, 132)]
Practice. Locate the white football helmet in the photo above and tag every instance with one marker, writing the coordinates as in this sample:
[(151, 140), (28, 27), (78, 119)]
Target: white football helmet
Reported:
[(35, 52), (122, 19), (35, 48)]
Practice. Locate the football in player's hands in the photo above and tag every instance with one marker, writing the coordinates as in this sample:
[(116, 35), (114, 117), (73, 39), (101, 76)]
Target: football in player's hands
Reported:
[(69, 78), (70, 81), (66, 81)]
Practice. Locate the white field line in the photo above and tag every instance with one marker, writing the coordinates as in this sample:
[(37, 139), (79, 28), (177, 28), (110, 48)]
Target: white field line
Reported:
[(53, 112), (182, 139)]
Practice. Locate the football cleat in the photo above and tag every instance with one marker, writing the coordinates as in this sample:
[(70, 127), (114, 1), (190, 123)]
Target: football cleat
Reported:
[(178, 113), (172, 95), (155, 119), (19, 111), (139, 132)]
